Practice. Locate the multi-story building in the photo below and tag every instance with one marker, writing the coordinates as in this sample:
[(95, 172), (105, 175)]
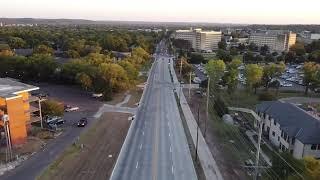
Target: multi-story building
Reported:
[(200, 40), (276, 40), (307, 37), (290, 128), (19, 108)]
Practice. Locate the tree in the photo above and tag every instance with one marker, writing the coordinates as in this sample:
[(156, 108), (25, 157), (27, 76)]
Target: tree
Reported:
[(43, 49), (253, 47), (290, 57), (5, 50), (186, 67), (84, 80), (114, 76), (233, 51), (224, 55), (52, 108), (72, 54), (16, 42), (310, 70), (253, 74), (130, 69), (222, 45), (196, 58), (215, 70), (269, 58), (298, 49), (231, 76), (315, 56), (272, 71), (264, 50)]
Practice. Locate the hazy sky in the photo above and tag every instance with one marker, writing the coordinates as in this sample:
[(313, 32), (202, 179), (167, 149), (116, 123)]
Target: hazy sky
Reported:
[(222, 11)]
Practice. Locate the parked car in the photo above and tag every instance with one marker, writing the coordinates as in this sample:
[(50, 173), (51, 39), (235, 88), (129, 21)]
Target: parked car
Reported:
[(54, 120), (69, 108), (82, 122), (97, 95)]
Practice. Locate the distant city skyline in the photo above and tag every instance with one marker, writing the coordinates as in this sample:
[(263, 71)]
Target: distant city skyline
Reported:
[(232, 11)]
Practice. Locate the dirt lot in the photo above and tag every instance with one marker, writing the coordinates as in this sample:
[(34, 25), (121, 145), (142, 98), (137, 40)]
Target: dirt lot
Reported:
[(229, 168), (104, 138)]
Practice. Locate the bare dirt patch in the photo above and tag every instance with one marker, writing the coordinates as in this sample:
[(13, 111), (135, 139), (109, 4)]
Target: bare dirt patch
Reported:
[(92, 161)]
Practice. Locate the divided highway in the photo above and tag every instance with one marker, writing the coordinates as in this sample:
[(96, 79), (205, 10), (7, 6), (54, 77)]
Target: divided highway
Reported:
[(156, 146)]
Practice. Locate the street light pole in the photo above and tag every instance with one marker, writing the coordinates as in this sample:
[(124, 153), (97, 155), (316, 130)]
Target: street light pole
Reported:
[(198, 119), (207, 107)]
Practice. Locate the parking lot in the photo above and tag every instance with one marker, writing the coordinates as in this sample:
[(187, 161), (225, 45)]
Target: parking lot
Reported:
[(69, 95)]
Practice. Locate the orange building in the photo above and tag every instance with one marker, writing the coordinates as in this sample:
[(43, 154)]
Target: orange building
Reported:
[(16, 102)]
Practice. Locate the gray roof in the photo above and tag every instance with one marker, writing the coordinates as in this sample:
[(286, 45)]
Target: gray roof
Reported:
[(293, 120), (9, 87)]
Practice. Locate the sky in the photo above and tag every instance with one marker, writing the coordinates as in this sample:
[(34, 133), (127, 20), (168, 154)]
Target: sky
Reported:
[(222, 11)]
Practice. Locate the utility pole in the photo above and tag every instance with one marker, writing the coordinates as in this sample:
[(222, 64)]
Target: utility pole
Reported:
[(207, 107), (197, 131), (180, 79), (40, 112), (258, 152), (190, 85)]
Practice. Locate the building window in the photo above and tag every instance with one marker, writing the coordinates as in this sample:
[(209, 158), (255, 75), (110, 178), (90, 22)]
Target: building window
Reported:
[(313, 147), (273, 133)]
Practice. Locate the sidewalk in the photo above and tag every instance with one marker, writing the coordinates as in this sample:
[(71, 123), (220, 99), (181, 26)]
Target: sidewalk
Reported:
[(210, 168)]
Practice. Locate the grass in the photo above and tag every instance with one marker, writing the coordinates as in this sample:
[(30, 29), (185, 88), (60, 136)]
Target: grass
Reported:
[(69, 153)]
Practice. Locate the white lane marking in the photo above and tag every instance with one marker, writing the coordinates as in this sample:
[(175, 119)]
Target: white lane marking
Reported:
[(137, 164), (172, 169), (142, 132), (169, 135), (168, 124), (140, 146), (170, 149)]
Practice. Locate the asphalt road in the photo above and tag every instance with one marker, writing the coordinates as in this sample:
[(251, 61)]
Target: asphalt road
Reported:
[(156, 146)]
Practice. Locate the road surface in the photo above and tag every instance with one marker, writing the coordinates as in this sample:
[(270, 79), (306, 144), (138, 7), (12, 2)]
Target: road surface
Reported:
[(156, 146)]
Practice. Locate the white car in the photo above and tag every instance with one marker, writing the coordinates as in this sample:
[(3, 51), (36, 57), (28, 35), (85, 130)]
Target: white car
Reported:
[(71, 109), (97, 95), (287, 85)]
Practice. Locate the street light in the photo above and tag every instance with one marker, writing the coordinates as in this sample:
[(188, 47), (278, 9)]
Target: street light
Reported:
[(198, 120)]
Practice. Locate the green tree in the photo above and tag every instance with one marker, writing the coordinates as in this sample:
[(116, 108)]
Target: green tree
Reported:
[(114, 76), (310, 70), (215, 70), (43, 49), (272, 71), (253, 74), (222, 45), (196, 58), (84, 80), (130, 69), (16, 42), (315, 56), (231, 76), (72, 54)]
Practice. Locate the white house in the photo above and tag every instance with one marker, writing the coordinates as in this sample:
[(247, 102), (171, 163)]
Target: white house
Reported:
[(290, 128)]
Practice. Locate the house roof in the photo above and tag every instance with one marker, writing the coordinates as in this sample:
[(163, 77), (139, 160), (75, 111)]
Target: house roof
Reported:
[(293, 120), (10, 88)]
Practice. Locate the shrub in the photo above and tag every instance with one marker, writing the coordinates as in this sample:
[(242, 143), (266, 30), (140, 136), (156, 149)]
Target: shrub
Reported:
[(52, 108), (267, 96)]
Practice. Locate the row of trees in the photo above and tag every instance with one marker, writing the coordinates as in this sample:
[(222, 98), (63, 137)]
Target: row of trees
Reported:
[(256, 75), (77, 41), (94, 72)]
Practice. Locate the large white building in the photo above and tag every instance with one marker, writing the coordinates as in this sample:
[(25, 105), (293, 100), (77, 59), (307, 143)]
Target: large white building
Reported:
[(200, 40), (276, 40), (290, 128)]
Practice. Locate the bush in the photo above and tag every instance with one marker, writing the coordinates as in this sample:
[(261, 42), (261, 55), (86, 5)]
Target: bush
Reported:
[(220, 106), (52, 108), (267, 96)]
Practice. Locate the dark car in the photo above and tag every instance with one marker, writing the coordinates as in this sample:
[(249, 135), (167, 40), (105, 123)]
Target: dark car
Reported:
[(82, 122)]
